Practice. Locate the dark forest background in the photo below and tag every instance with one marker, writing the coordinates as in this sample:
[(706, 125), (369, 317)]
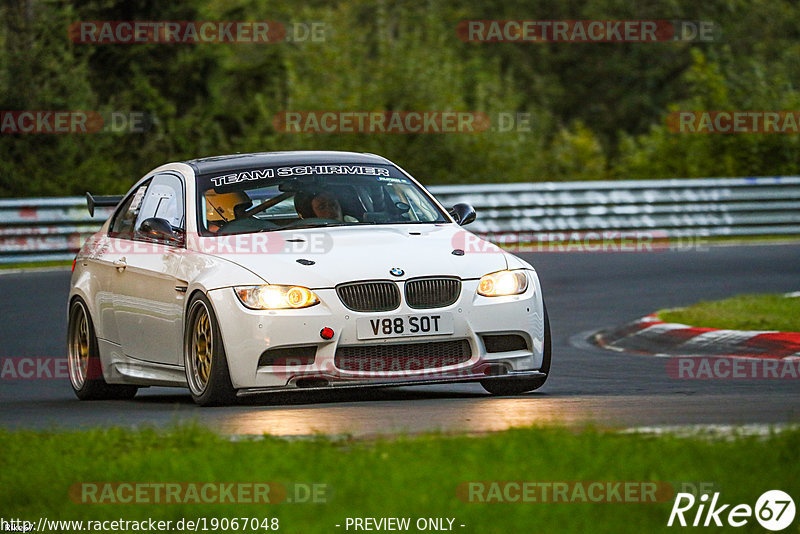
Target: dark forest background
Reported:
[(597, 111)]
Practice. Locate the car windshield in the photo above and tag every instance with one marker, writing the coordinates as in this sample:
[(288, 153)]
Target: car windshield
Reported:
[(310, 196)]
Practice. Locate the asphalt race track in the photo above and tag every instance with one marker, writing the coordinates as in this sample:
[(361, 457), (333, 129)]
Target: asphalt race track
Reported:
[(584, 292)]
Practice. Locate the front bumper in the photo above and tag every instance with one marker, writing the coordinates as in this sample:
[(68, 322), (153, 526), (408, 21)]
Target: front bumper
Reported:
[(248, 333), (362, 384)]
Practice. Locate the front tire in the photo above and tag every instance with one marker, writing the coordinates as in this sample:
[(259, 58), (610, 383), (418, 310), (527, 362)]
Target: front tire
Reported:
[(204, 357), (516, 386), (83, 360)]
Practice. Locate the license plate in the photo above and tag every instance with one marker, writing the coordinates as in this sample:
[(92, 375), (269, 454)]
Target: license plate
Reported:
[(404, 326)]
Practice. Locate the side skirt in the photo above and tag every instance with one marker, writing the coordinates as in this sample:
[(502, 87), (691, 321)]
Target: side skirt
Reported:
[(121, 369)]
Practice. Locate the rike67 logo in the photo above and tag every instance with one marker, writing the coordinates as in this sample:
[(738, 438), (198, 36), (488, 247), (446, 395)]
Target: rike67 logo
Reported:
[(774, 510)]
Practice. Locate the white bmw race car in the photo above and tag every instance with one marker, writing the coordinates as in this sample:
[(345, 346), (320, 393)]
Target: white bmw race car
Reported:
[(251, 273)]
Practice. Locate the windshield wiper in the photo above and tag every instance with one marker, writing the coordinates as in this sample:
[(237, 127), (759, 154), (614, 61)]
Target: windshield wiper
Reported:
[(318, 225)]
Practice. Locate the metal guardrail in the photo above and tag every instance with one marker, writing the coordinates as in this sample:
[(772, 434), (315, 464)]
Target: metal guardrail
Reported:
[(46, 229), (677, 208)]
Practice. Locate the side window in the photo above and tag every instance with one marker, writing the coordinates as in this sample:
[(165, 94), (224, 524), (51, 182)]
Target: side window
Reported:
[(125, 217), (163, 200)]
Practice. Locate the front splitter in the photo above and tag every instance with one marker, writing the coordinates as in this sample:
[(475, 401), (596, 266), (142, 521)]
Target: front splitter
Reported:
[(364, 383)]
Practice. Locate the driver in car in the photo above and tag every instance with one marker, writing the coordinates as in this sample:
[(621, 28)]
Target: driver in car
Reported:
[(326, 206), (320, 206)]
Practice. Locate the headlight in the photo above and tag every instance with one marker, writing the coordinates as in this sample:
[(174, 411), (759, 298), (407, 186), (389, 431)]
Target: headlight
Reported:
[(276, 297), (503, 283)]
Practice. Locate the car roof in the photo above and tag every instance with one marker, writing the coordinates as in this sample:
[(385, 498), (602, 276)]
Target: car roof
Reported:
[(220, 164)]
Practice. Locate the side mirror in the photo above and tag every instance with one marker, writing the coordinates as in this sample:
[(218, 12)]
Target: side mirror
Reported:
[(158, 229), (463, 213)]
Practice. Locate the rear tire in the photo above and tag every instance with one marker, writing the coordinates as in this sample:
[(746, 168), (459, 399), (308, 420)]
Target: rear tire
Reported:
[(516, 386), (83, 360), (204, 356)]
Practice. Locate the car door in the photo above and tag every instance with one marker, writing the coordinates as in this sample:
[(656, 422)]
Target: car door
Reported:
[(107, 254), (148, 292)]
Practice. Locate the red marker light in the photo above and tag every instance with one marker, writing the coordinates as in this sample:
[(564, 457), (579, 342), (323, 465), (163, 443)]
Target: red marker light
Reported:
[(326, 333), (73, 263)]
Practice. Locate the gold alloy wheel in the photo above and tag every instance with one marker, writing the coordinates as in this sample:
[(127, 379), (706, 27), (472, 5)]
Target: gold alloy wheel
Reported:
[(79, 347), (201, 349)]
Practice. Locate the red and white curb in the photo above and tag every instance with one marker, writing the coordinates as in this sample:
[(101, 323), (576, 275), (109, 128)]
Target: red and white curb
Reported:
[(715, 431), (649, 335)]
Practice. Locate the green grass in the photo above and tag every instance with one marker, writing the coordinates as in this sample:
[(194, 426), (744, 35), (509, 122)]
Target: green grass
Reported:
[(766, 239), (35, 264), (630, 245), (402, 477), (743, 312)]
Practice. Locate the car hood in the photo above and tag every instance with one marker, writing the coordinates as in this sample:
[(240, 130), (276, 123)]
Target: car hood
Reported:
[(342, 254)]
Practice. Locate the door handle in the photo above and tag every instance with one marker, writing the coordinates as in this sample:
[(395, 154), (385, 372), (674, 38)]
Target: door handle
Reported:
[(121, 264)]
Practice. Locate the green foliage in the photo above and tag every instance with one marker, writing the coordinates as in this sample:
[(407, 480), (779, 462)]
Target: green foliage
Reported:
[(409, 476), (596, 111), (720, 84), (577, 154)]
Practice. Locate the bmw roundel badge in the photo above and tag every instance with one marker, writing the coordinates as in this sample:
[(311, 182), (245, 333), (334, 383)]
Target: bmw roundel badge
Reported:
[(396, 271)]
